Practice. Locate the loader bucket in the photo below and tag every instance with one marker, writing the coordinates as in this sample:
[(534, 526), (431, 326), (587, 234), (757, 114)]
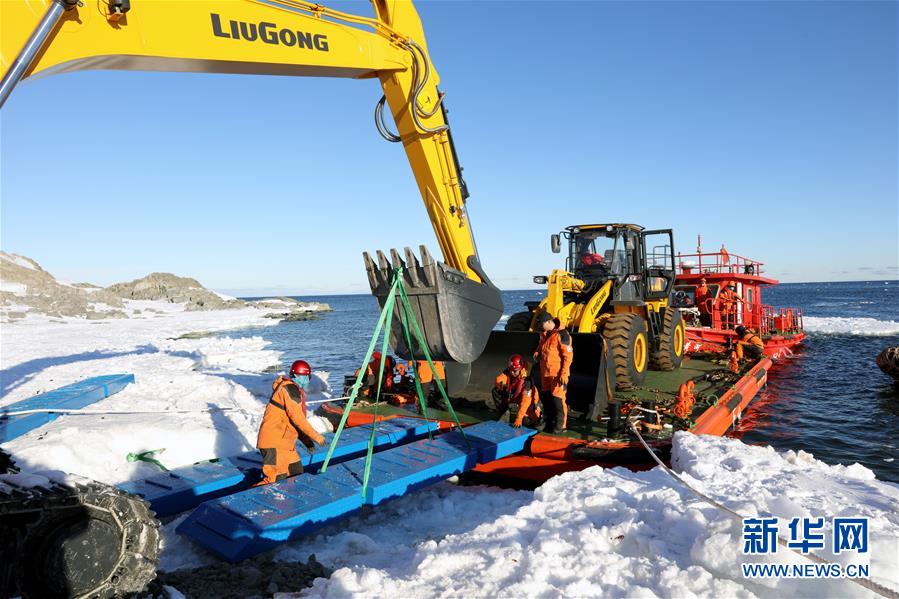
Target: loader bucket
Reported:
[(588, 388), (455, 314)]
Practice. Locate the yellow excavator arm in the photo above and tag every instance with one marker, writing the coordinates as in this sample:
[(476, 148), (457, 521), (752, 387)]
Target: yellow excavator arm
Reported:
[(454, 301)]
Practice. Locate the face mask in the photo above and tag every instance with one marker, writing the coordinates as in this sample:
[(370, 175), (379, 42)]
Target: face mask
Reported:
[(302, 380)]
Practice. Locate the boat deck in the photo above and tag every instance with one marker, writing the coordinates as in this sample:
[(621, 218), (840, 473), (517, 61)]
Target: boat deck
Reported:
[(659, 389)]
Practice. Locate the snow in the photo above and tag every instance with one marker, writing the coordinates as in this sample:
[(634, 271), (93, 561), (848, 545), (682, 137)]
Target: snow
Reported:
[(276, 300), (599, 532), (606, 532), (196, 374), (98, 307), (836, 325), (227, 298), (14, 288), (19, 260)]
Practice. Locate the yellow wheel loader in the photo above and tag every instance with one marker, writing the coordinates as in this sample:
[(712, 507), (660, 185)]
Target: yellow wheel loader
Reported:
[(617, 282)]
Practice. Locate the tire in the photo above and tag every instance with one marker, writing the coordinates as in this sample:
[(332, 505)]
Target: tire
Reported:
[(519, 322), (87, 540), (671, 342), (629, 348)]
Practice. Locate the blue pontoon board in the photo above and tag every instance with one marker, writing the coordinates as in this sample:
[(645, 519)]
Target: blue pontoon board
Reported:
[(187, 487), (247, 523), (71, 397)]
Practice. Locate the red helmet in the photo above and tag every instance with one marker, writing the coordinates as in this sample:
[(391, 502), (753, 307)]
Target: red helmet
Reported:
[(376, 356), (516, 362), (300, 367)]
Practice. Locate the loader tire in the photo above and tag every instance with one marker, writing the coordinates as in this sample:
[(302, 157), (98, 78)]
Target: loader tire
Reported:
[(519, 322), (629, 349), (670, 353)]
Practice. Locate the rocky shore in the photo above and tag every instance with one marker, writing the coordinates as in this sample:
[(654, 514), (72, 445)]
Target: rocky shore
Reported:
[(259, 578), (26, 288)]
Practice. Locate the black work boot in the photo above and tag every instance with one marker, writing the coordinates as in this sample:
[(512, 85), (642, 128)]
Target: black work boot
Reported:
[(558, 428)]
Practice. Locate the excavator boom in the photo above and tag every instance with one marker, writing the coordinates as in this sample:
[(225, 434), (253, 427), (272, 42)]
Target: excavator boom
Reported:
[(455, 302)]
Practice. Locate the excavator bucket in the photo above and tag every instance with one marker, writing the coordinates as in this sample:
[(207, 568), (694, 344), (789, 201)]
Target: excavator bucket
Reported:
[(455, 314), (590, 386)]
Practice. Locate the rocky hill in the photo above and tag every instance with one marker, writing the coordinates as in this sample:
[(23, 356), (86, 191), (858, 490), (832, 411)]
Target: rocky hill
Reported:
[(26, 287), (174, 289), (24, 284)]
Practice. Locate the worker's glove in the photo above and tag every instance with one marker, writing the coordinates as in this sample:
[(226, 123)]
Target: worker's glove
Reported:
[(516, 424), (319, 440)]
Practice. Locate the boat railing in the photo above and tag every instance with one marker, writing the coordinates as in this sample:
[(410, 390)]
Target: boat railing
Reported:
[(717, 262), (780, 321), (762, 318)]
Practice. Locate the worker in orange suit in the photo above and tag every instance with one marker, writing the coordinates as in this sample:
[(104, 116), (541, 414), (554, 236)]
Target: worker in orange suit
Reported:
[(749, 344), (554, 355), (283, 423), (702, 295), (369, 386), (427, 377), (513, 387), (728, 303)]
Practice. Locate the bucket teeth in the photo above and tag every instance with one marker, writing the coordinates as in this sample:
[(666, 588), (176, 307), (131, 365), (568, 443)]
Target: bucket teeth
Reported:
[(371, 270), (396, 260), (382, 262), (427, 267), (418, 273), (412, 267)]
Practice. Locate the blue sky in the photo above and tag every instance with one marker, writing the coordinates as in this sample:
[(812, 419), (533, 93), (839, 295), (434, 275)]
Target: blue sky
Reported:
[(771, 127)]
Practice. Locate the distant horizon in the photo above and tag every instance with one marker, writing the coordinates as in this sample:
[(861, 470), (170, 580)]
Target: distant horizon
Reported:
[(302, 295), (255, 293)]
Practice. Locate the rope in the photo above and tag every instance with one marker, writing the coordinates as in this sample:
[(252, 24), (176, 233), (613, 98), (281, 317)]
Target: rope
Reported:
[(385, 321), (354, 393), (83, 412), (863, 582), (374, 423), (415, 377), (424, 348)]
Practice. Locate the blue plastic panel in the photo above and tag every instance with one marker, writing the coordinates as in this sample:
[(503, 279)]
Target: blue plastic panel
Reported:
[(187, 487), (73, 397), (258, 519), (183, 488)]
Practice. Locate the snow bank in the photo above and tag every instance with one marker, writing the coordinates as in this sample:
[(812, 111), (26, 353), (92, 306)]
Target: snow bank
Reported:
[(604, 532), (835, 325), (172, 373), (18, 289), (19, 260), (224, 296)]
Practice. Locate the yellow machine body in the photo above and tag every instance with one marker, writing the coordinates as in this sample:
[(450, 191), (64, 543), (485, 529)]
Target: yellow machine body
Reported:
[(291, 38)]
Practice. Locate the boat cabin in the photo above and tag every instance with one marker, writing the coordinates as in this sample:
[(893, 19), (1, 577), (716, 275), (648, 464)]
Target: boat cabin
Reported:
[(720, 291)]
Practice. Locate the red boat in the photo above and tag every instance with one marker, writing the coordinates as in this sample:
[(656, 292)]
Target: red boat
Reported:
[(713, 312)]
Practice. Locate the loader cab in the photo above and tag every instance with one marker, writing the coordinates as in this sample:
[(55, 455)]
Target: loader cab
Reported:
[(599, 252), (641, 262)]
